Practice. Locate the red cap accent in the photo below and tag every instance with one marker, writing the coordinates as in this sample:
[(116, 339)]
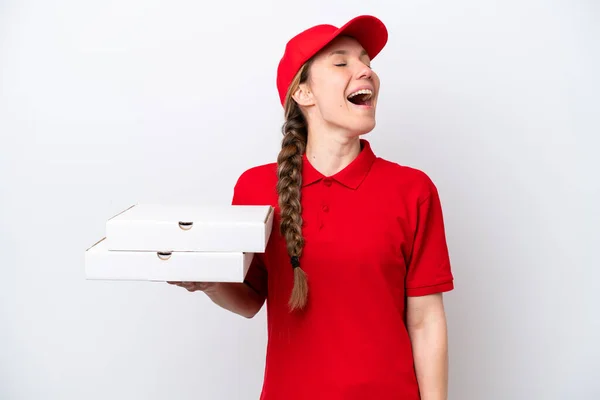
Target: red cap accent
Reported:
[(369, 31)]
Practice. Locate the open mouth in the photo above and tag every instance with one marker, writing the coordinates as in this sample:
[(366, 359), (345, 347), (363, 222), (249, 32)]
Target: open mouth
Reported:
[(363, 97)]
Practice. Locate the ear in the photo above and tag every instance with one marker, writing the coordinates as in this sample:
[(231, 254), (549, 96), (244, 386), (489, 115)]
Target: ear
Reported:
[(303, 95)]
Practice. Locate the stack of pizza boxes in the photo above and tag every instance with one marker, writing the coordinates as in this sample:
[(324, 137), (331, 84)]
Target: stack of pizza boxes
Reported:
[(153, 242)]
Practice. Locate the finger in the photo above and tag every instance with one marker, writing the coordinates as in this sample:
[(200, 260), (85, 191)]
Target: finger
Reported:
[(189, 285)]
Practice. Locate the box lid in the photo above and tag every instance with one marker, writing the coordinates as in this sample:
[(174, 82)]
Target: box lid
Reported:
[(103, 264), (220, 214), (154, 227)]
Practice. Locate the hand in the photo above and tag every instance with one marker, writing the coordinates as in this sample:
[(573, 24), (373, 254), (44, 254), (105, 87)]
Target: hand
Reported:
[(206, 287)]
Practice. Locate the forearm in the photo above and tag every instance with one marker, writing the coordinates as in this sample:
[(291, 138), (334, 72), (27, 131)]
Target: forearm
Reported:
[(238, 298), (430, 352)]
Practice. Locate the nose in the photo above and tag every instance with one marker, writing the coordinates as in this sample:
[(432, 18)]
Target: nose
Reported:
[(364, 72)]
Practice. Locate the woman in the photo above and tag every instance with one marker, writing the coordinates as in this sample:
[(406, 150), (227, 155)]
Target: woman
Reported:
[(354, 277)]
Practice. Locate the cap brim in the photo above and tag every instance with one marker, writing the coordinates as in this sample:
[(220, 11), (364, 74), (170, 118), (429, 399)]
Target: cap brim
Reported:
[(368, 30)]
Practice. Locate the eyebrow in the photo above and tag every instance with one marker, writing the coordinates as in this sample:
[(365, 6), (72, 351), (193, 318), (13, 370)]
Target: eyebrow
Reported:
[(344, 52)]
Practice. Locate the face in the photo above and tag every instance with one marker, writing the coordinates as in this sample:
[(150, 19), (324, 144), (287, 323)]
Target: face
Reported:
[(341, 92)]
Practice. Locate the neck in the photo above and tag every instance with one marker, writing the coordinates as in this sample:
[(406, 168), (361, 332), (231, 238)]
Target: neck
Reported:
[(329, 154)]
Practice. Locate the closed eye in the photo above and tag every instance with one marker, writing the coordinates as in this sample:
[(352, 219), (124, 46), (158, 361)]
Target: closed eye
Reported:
[(344, 64)]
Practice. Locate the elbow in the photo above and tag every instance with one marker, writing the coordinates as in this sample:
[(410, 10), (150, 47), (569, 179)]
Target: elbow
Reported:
[(249, 314), (251, 311)]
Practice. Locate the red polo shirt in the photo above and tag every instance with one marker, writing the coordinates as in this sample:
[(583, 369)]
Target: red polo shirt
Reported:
[(374, 234)]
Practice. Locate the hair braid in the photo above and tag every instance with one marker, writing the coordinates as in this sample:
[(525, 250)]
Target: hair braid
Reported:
[(289, 183)]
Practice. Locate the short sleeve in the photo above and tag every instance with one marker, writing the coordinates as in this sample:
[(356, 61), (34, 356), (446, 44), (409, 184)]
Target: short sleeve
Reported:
[(429, 269), (256, 277)]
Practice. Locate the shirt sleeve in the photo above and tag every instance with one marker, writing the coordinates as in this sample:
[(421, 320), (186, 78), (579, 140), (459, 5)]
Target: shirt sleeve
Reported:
[(256, 277), (429, 270)]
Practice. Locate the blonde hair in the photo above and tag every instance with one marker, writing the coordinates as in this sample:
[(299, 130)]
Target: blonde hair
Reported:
[(289, 183)]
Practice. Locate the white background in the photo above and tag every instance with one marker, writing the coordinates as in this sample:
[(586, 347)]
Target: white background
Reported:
[(106, 103)]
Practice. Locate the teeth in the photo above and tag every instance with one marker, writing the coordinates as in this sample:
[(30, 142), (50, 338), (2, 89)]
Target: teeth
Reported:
[(362, 91)]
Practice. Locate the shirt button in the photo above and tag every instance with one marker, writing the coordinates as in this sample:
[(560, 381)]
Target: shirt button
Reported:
[(327, 182), (325, 208)]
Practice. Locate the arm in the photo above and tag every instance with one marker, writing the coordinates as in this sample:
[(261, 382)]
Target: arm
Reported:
[(238, 298), (426, 323)]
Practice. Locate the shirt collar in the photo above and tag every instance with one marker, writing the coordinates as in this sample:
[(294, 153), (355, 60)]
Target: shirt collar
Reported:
[(351, 176)]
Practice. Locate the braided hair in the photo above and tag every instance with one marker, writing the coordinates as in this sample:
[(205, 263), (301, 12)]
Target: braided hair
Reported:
[(289, 183)]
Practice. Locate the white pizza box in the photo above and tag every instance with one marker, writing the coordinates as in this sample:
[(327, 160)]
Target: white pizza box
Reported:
[(103, 264), (212, 228)]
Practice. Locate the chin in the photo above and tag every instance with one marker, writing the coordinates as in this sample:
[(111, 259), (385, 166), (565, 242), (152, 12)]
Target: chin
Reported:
[(363, 126)]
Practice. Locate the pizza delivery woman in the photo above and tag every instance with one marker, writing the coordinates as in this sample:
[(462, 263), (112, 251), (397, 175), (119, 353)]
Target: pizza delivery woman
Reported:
[(353, 277)]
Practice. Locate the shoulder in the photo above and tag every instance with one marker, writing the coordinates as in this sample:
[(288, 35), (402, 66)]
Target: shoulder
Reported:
[(258, 175), (406, 178), (256, 185)]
